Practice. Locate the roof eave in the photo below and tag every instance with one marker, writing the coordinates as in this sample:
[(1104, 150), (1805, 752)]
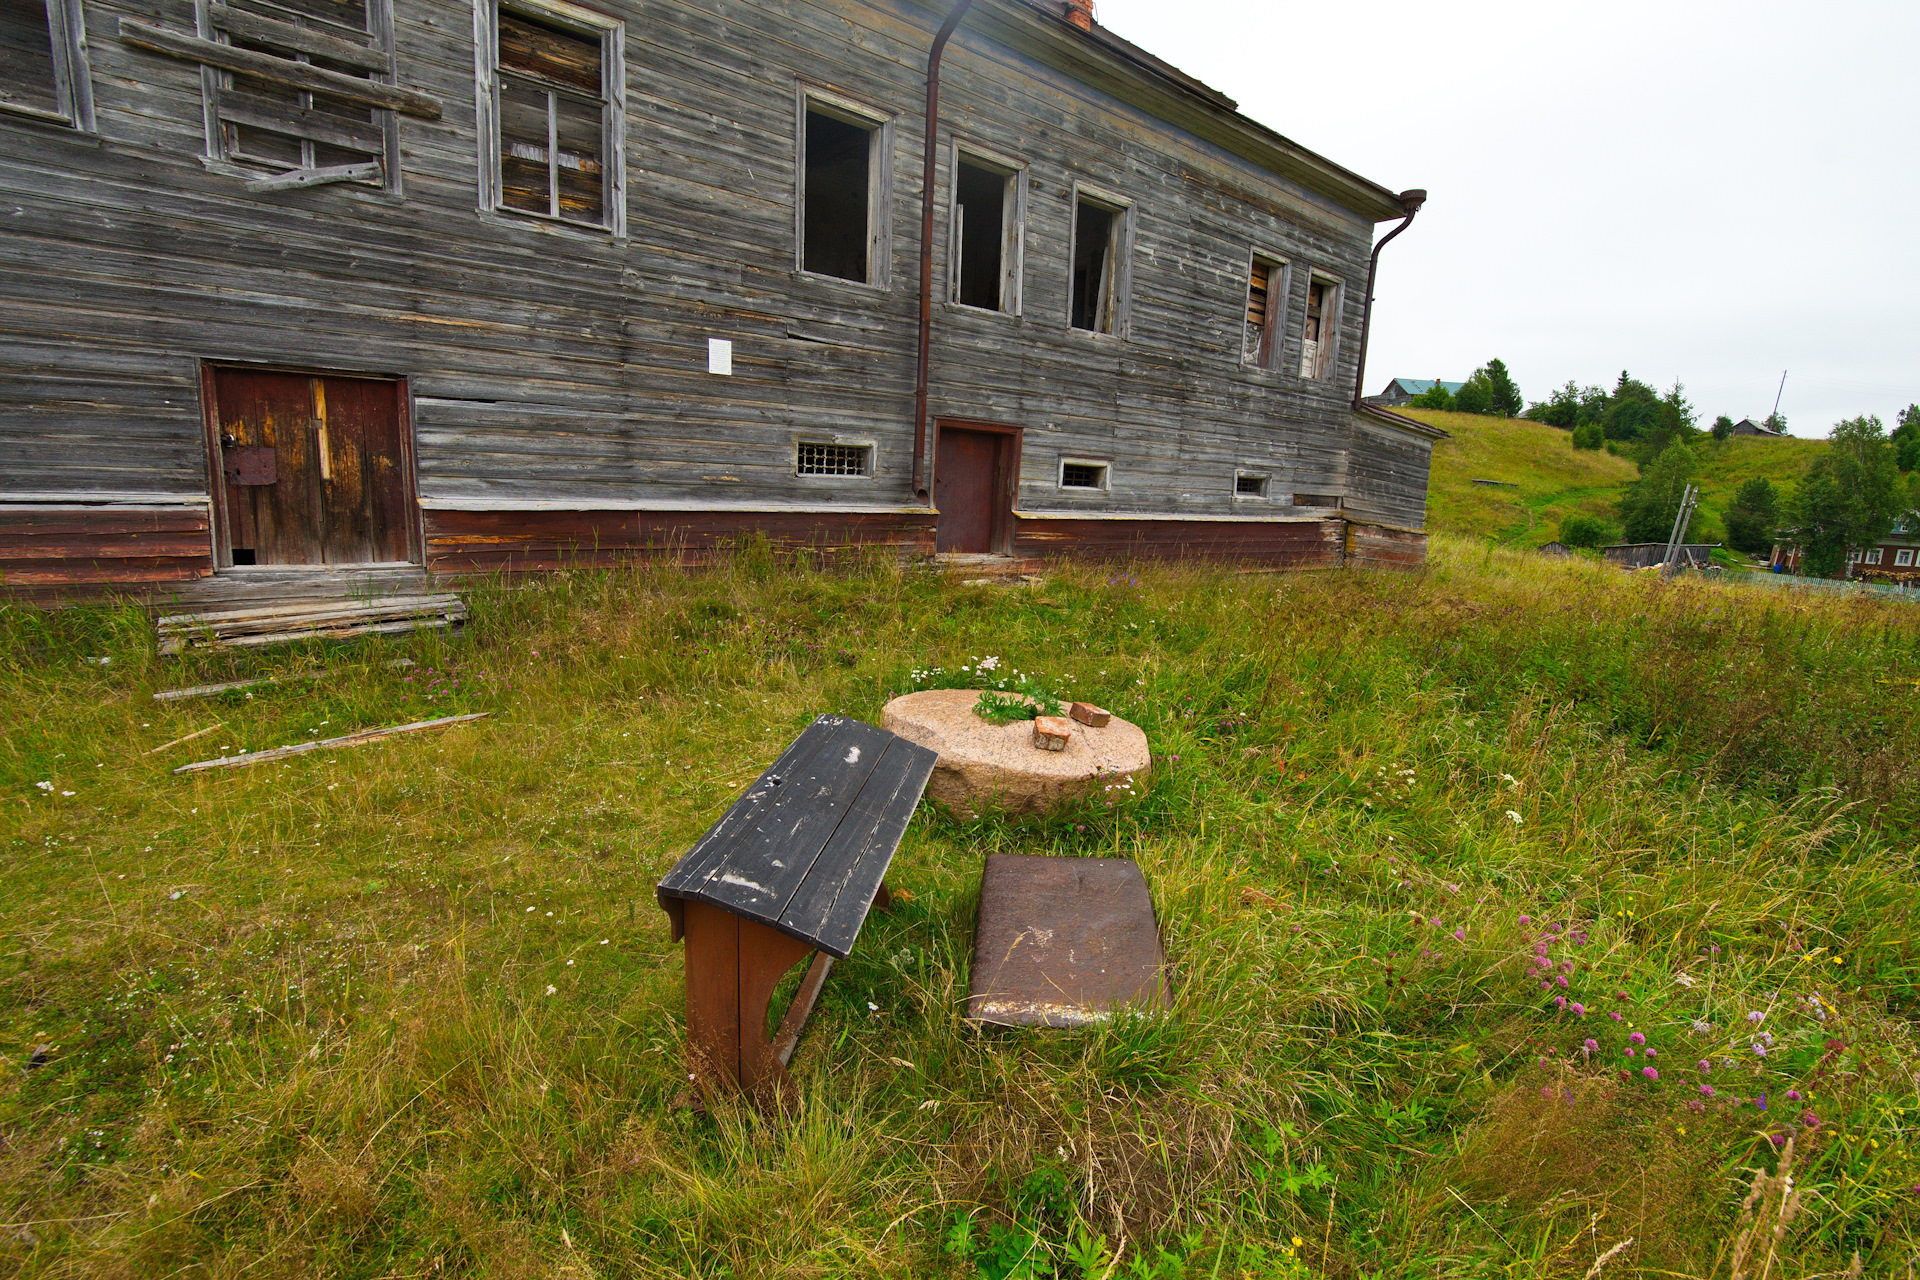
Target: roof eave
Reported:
[(1101, 58), (1413, 426)]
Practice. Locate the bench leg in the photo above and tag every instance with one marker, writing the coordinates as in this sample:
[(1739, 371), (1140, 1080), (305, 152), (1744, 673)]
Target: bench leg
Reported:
[(733, 965)]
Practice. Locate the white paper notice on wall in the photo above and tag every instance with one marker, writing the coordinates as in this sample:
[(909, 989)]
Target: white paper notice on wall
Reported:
[(720, 356)]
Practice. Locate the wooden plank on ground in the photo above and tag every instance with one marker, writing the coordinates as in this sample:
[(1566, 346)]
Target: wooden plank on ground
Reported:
[(327, 744), (255, 682)]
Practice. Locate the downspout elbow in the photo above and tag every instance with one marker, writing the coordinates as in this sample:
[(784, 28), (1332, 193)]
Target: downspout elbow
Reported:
[(1410, 202)]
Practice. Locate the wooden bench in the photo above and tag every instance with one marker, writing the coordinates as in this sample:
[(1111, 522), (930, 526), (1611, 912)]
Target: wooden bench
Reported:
[(792, 868)]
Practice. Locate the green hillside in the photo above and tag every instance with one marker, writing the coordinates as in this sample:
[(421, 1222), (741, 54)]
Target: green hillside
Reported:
[(1555, 480)]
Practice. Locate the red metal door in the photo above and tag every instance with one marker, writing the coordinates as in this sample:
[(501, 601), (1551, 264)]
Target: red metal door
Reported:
[(967, 489), (313, 467)]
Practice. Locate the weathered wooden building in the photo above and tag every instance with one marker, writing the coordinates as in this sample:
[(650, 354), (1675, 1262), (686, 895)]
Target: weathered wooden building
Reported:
[(481, 284)]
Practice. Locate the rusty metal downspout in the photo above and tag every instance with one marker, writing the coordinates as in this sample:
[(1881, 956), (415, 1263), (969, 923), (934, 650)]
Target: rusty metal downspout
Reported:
[(1410, 202), (926, 246)]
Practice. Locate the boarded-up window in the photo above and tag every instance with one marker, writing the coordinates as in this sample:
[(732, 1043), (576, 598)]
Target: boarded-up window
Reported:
[(1320, 338), (1099, 233), (986, 235), (553, 119), (839, 194), (1266, 303), (280, 128), (43, 66)]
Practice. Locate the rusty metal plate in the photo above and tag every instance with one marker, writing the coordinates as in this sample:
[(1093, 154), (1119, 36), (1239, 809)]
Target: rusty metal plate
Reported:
[(251, 465), (1064, 942)]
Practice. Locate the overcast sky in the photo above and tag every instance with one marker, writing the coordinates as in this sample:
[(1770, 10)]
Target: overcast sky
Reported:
[(1702, 190)]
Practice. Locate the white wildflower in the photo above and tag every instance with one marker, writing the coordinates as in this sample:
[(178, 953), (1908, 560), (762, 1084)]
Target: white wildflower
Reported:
[(551, 989), (1513, 817), (1683, 979), (44, 786)]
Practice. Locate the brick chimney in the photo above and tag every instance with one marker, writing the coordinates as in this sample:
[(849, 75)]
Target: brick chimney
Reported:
[(1080, 14)]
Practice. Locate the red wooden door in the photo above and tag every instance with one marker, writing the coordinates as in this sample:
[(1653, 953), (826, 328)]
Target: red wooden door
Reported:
[(313, 467), (967, 487)]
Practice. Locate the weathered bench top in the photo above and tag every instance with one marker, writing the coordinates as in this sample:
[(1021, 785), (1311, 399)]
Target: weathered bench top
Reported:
[(805, 849)]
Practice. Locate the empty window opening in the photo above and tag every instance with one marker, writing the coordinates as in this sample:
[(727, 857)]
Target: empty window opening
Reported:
[(1246, 486), (983, 227), (817, 459), (1083, 475), (1096, 232), (28, 77), (836, 231), (1323, 322), (1266, 302), (553, 120)]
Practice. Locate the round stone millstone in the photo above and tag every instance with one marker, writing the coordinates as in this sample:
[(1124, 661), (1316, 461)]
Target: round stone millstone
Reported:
[(995, 767)]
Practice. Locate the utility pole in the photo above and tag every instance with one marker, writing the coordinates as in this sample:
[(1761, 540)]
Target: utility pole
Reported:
[(1775, 415), (1689, 499)]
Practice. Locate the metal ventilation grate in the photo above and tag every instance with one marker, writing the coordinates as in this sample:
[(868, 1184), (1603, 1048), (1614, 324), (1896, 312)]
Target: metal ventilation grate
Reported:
[(834, 459)]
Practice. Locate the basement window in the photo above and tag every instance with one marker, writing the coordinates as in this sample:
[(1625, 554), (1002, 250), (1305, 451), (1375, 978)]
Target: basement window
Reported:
[(1099, 260), (1249, 486), (558, 114), (842, 192), (816, 458), (1082, 473), (1266, 304), (43, 61), (1320, 339), (985, 255)]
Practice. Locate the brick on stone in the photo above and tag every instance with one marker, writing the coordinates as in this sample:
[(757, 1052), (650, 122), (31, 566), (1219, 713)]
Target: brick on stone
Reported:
[(1088, 714), (1050, 733)]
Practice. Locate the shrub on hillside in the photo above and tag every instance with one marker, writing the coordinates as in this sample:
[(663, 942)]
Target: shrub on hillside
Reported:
[(1434, 397), (1589, 436), (1584, 531), (1648, 508), (1474, 396), (1751, 518)]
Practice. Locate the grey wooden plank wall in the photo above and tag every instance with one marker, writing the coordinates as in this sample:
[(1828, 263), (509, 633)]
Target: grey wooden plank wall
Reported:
[(551, 363)]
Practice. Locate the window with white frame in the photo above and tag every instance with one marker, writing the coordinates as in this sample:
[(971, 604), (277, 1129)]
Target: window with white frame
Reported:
[(987, 232), (552, 109), (1320, 337), (845, 161), (1263, 335), (43, 61), (1902, 559), (1873, 556), (1084, 474)]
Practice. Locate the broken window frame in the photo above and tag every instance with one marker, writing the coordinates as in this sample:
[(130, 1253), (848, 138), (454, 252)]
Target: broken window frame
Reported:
[(866, 446), (488, 74), (1323, 349), (879, 126), (72, 87), (216, 83), (1103, 467), (1013, 226), (1271, 348), (1112, 309)]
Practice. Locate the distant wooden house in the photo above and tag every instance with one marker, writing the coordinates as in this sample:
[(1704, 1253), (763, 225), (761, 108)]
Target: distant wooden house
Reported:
[(399, 286), (1894, 558), (1402, 390), (1748, 427), (1557, 551)]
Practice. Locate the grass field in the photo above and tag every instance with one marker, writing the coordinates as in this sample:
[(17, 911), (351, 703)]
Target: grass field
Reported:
[(409, 1009), (1554, 480)]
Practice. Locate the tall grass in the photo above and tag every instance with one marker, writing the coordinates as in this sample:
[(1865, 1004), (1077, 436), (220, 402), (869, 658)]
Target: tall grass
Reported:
[(409, 1009)]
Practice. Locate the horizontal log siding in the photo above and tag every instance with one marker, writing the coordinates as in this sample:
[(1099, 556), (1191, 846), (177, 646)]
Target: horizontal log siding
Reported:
[(1249, 543), (476, 542), (44, 548), (555, 364), (1376, 547)]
